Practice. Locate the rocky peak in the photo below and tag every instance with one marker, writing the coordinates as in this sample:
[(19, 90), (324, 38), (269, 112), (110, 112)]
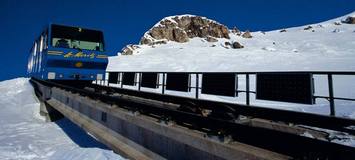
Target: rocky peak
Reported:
[(184, 27), (350, 20), (181, 28)]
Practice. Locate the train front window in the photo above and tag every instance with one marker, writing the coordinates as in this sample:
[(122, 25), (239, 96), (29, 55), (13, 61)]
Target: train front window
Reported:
[(77, 38)]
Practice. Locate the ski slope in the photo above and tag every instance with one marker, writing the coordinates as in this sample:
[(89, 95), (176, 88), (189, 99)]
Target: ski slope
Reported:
[(24, 135)]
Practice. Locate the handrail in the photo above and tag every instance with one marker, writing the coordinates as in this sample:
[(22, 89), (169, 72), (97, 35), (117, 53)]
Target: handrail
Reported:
[(247, 72), (329, 74)]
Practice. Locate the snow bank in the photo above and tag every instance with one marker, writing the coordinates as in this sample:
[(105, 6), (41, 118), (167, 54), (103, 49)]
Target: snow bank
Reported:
[(25, 136)]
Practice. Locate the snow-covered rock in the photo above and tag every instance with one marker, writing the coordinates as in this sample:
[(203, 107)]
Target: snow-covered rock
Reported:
[(129, 49), (24, 135), (350, 19), (182, 28)]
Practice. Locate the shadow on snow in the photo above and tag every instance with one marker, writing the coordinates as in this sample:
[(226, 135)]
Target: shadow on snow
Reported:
[(78, 135)]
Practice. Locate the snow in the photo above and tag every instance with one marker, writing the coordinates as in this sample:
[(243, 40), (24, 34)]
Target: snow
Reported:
[(25, 136), (294, 50)]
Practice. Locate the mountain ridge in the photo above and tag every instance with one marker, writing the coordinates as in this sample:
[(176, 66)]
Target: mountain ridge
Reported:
[(326, 46), (183, 28)]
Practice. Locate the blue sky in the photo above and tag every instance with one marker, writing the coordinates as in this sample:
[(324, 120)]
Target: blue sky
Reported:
[(125, 21)]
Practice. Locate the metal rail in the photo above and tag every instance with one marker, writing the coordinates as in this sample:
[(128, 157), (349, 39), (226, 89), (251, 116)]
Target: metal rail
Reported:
[(329, 74), (281, 142), (316, 120)]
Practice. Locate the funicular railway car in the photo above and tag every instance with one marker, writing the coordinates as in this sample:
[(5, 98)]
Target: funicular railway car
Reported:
[(65, 53)]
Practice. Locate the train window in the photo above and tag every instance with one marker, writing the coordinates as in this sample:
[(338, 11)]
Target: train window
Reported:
[(35, 49), (31, 64), (28, 64), (74, 37), (177, 82), (31, 59), (285, 87), (128, 78), (113, 77), (35, 59), (38, 51), (223, 84), (41, 44), (46, 39), (39, 61), (149, 80)]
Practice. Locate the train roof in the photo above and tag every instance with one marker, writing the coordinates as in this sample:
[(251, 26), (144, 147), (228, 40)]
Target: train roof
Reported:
[(75, 26)]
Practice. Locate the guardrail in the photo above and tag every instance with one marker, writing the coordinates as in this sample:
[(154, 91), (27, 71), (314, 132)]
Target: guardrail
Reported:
[(280, 78), (273, 140)]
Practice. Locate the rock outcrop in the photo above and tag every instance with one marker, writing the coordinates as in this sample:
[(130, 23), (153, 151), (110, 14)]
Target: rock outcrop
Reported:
[(247, 34), (350, 20), (236, 31), (308, 28), (185, 27), (337, 23), (237, 45), (128, 49), (211, 39), (181, 28)]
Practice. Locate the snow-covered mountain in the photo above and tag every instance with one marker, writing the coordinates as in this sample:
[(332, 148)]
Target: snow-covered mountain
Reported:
[(328, 45)]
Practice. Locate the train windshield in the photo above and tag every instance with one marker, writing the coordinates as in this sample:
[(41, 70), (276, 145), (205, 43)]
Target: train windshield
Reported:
[(77, 38)]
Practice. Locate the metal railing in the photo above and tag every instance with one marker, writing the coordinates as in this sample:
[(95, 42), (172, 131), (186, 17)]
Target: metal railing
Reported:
[(247, 91)]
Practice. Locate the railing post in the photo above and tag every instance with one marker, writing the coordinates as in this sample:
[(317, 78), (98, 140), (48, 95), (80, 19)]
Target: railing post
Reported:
[(121, 79), (163, 84), (107, 74), (139, 81), (247, 92), (331, 94), (197, 85)]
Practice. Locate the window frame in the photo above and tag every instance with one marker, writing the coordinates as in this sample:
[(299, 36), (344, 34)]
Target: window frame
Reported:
[(50, 39)]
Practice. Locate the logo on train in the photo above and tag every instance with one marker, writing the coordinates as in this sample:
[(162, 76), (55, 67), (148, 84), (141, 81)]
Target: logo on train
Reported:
[(79, 55)]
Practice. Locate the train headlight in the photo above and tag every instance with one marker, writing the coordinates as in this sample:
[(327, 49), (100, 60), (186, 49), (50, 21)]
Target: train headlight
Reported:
[(51, 75), (79, 64), (99, 77)]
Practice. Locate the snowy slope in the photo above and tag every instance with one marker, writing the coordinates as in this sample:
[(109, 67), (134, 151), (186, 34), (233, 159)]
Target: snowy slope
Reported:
[(296, 49), (24, 135), (329, 48)]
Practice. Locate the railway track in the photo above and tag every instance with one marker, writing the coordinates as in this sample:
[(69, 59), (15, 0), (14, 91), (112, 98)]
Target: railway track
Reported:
[(271, 129)]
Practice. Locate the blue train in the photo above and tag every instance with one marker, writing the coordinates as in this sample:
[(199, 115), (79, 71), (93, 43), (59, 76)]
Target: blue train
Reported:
[(67, 53)]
